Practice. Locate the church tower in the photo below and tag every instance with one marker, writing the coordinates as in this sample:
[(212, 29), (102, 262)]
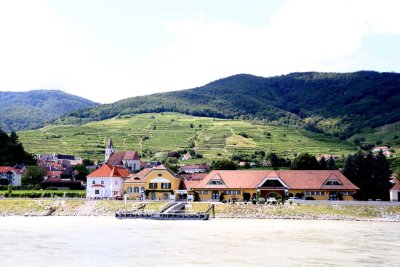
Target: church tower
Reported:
[(109, 150)]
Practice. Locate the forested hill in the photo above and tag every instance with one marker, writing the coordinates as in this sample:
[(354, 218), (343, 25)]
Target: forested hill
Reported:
[(25, 110), (336, 103)]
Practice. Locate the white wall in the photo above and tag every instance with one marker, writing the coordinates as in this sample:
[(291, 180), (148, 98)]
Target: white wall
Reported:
[(394, 195), (114, 184)]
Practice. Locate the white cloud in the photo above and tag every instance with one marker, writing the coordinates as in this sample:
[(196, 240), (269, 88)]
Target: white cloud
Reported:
[(309, 35)]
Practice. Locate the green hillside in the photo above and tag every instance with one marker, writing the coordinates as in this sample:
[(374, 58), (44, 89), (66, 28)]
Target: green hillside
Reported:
[(388, 135), (163, 132), (28, 110), (340, 104)]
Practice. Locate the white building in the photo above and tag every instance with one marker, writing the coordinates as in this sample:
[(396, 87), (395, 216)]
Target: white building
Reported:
[(195, 168), (106, 182), (395, 192), (12, 175)]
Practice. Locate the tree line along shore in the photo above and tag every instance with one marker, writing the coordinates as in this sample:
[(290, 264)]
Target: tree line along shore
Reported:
[(294, 211)]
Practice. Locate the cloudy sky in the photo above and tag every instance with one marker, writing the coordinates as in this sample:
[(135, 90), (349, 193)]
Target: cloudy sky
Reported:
[(110, 50)]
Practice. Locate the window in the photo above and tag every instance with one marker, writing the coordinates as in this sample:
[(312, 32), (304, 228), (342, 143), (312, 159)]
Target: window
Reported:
[(142, 189), (314, 193), (333, 182), (96, 192), (129, 189), (347, 193), (102, 182), (115, 182), (159, 174), (93, 182), (153, 185), (216, 182), (136, 189), (203, 192), (232, 192), (166, 185)]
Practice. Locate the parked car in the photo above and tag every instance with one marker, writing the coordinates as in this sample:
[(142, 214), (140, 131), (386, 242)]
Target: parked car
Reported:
[(293, 198), (271, 200)]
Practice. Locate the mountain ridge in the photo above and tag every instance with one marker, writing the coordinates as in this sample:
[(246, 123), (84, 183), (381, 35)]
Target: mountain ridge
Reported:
[(31, 109), (340, 104)]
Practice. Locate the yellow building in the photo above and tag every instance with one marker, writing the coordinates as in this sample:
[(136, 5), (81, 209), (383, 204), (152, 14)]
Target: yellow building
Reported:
[(158, 183)]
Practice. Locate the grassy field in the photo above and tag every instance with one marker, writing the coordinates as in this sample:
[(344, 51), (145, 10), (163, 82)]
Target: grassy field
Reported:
[(213, 138)]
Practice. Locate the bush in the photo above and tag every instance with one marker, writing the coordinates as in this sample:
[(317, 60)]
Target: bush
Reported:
[(261, 200)]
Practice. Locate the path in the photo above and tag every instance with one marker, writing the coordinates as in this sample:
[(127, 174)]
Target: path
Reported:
[(87, 208)]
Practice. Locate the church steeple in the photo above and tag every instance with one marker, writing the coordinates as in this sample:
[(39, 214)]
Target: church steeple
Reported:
[(109, 150)]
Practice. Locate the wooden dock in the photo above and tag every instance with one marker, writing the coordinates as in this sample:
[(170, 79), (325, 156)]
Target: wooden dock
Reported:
[(161, 216)]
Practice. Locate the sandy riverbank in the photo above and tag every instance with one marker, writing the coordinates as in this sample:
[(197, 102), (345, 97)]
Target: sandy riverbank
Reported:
[(74, 207)]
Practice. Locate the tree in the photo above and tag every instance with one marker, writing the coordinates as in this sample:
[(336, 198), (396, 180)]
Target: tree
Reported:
[(82, 172), (224, 165), (305, 161), (12, 151), (331, 164), (371, 173), (323, 165), (33, 175)]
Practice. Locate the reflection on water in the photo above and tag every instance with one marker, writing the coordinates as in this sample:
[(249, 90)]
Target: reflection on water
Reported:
[(106, 241)]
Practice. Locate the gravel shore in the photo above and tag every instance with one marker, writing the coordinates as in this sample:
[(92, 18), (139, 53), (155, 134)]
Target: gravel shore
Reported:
[(76, 207)]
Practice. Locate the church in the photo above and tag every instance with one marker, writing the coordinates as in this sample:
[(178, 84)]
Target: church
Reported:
[(128, 159)]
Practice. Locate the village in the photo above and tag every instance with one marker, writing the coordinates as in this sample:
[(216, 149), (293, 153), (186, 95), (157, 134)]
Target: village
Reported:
[(123, 175)]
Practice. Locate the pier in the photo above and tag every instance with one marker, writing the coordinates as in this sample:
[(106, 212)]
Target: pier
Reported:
[(174, 211)]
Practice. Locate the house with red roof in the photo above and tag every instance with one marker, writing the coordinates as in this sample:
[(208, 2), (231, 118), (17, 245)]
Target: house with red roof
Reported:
[(395, 190), (194, 168), (129, 159), (10, 175), (240, 184), (106, 182)]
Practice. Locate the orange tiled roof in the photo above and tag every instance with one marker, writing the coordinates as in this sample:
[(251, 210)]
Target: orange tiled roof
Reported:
[(188, 184), (304, 179), (110, 171), (314, 179), (138, 177), (192, 176)]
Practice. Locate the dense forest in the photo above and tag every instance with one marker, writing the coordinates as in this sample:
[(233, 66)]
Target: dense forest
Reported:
[(340, 104), (26, 110)]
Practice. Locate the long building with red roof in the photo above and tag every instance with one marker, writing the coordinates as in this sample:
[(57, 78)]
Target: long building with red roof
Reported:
[(242, 184)]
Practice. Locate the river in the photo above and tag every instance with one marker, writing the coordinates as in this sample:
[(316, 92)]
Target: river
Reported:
[(106, 241)]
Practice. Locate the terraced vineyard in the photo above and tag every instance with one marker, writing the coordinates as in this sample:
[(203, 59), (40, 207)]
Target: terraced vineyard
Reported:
[(163, 132)]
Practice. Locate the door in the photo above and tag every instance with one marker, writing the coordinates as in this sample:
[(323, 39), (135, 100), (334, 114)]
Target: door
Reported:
[(166, 195), (215, 194), (153, 195)]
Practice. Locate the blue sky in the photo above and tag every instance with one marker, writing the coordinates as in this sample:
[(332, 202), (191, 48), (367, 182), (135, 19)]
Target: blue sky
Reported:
[(110, 50)]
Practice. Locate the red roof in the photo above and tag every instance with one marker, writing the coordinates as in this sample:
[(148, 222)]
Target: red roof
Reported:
[(54, 173), (396, 185), (110, 171), (195, 166), (192, 176), (294, 179), (310, 179), (4, 169), (116, 158), (138, 177), (188, 184)]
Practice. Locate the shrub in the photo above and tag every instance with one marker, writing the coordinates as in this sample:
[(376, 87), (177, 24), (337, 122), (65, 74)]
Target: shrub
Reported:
[(261, 200)]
